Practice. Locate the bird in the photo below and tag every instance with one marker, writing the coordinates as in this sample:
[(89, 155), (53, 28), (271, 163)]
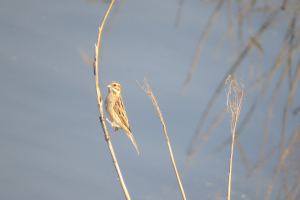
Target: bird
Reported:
[(116, 111)]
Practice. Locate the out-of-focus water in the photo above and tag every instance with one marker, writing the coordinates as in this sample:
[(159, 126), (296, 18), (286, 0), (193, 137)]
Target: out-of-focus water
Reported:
[(51, 141)]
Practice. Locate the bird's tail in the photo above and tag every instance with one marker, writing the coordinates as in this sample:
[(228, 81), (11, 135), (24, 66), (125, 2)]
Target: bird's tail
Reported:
[(133, 141)]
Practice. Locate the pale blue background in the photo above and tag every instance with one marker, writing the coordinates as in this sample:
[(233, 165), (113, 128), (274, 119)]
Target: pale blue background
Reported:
[(51, 141)]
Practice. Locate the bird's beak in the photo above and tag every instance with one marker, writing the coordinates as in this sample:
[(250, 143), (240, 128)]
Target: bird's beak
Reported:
[(109, 86)]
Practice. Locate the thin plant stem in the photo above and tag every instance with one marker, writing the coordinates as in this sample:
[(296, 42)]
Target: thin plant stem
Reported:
[(195, 149), (270, 74), (283, 4), (284, 154), (200, 45), (99, 101), (242, 154), (221, 84), (179, 9), (234, 109), (148, 91)]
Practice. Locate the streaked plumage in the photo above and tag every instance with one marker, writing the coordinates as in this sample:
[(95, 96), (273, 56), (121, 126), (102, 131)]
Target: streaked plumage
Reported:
[(116, 111)]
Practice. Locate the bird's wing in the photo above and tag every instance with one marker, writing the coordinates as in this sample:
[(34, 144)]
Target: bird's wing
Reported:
[(120, 111)]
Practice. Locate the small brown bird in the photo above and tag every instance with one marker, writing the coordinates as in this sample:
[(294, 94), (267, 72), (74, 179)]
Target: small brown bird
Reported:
[(116, 110)]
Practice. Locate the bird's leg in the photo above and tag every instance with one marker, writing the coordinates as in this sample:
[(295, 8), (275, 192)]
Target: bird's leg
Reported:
[(104, 118), (106, 138), (109, 121), (112, 124), (116, 128)]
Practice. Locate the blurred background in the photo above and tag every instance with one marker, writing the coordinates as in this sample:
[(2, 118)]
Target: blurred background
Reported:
[(51, 142)]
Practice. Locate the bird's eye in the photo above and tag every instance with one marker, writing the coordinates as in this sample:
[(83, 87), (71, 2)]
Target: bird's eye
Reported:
[(115, 85)]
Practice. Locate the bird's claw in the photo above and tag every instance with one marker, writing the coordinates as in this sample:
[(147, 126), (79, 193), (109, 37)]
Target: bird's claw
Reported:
[(107, 138), (102, 118)]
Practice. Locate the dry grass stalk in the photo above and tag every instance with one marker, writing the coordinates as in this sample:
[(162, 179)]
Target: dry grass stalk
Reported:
[(200, 45), (285, 152), (245, 11), (288, 103), (298, 196), (233, 68), (269, 76), (99, 101), (230, 30), (283, 5), (179, 9), (236, 20), (292, 32), (273, 98), (206, 135), (148, 91), (234, 109), (243, 155), (291, 195), (192, 152), (257, 165)]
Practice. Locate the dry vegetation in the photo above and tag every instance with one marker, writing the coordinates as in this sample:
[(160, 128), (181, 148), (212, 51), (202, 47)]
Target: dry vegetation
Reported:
[(234, 106), (100, 102), (148, 91), (248, 44), (245, 45)]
